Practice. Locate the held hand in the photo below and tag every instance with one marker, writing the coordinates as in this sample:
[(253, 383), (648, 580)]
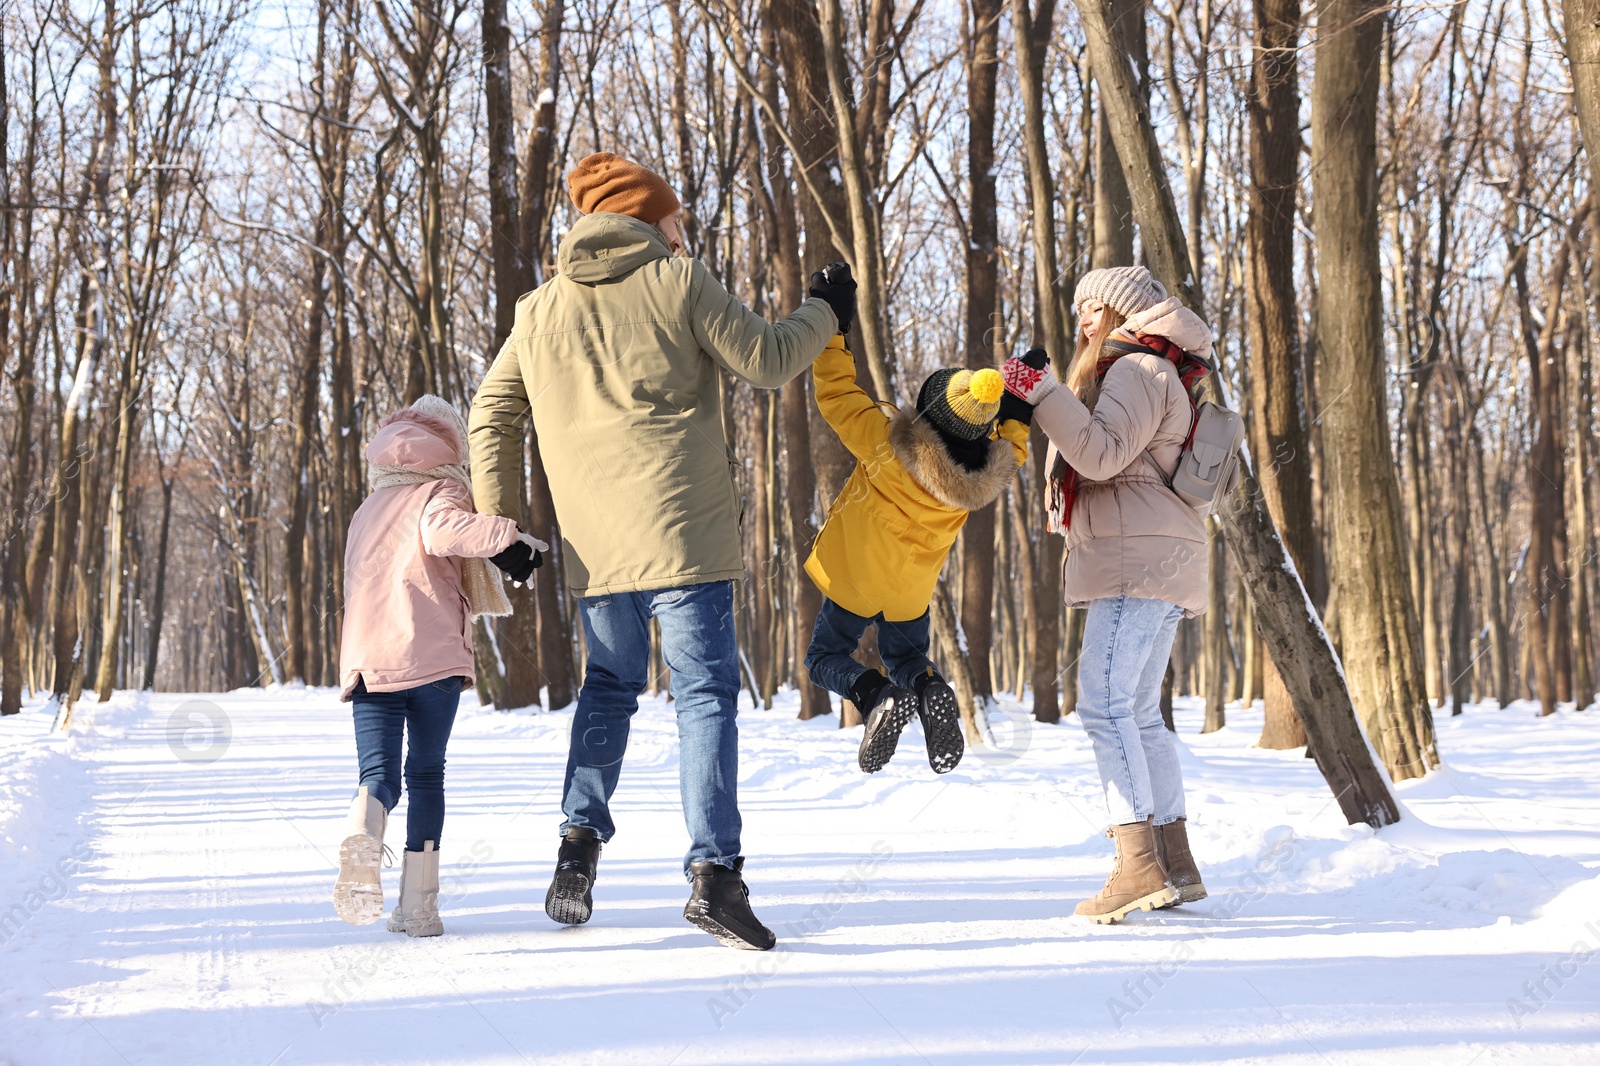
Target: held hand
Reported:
[(1027, 382), (834, 285), (1037, 358), (516, 560), (539, 548), (1014, 408)]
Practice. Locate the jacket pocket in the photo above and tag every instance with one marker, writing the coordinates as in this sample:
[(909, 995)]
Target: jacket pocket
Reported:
[(733, 486)]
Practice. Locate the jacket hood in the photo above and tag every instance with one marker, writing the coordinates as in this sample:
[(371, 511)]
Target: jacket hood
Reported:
[(921, 451), (1172, 320), (427, 434), (603, 246)]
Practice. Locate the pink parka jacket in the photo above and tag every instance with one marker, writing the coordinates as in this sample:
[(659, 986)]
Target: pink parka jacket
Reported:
[(405, 614)]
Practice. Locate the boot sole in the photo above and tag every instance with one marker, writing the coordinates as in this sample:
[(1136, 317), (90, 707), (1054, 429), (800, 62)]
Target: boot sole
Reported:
[(700, 917), (1161, 897), (941, 726), (358, 894), (878, 747), (435, 928), (569, 900)]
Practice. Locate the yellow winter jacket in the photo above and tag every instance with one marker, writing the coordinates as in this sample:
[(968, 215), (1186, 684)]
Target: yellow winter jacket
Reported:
[(888, 533)]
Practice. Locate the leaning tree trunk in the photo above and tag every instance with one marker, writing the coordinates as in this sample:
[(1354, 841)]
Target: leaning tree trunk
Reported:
[(1378, 618), (1279, 425), (1309, 666)]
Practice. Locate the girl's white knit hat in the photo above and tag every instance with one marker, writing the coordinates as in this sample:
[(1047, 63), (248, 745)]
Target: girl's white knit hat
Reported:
[(1126, 290)]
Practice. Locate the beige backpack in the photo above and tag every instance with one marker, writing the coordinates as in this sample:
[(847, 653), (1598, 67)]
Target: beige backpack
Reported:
[(1208, 465)]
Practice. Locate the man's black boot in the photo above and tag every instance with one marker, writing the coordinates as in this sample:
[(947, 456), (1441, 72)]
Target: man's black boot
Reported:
[(570, 900), (719, 903)]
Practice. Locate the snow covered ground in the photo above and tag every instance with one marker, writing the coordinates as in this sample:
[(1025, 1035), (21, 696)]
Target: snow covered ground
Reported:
[(168, 868)]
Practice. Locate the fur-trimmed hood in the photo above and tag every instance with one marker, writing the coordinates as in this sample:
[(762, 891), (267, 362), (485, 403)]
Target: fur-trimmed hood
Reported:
[(922, 452)]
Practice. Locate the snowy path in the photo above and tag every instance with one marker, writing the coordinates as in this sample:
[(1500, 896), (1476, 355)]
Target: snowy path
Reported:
[(167, 910)]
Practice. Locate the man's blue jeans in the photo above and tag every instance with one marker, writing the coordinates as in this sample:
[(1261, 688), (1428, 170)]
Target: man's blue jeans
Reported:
[(382, 719), (1126, 644), (903, 646), (699, 647)]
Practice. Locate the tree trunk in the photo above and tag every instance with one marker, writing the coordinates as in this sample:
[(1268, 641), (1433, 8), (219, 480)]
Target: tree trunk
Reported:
[(1279, 421), (816, 462), (982, 304), (1033, 34), (158, 607), (1218, 656), (534, 645), (1112, 236), (1379, 620)]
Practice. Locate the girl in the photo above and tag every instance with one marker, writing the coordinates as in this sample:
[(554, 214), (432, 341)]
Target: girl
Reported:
[(415, 576), (1136, 558)]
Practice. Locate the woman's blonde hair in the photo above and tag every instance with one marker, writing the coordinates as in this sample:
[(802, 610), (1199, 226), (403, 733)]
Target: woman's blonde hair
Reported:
[(1082, 376)]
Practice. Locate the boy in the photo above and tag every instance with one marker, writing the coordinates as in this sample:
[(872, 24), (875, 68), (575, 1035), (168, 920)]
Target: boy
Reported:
[(918, 474)]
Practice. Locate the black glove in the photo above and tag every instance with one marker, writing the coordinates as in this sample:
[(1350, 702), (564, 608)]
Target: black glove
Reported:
[(1037, 358), (519, 561), (834, 284), (1015, 408)]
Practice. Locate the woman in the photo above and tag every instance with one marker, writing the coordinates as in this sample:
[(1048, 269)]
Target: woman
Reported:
[(1136, 558)]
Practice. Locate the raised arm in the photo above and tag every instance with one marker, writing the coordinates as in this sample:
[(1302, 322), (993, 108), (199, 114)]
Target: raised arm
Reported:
[(496, 429), (765, 354), (1102, 444), (858, 420)]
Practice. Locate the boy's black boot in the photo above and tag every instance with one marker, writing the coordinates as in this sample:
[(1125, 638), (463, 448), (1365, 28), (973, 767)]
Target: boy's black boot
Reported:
[(570, 900), (941, 722), (719, 903), (886, 709)]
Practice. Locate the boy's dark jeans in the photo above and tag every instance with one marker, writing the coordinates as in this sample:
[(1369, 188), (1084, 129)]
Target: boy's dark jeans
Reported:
[(902, 645)]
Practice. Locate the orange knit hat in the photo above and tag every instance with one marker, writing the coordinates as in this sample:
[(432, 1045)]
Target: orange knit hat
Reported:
[(606, 182)]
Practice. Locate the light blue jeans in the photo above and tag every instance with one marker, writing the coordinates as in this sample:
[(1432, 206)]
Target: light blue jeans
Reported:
[(697, 643), (1126, 643)]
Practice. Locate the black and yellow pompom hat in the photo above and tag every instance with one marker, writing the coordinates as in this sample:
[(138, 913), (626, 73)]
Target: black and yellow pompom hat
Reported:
[(960, 402)]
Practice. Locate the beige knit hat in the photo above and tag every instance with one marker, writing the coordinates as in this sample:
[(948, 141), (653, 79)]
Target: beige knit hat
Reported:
[(1126, 290)]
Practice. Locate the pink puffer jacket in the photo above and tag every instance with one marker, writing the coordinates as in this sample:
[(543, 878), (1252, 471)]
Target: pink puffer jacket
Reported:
[(405, 615)]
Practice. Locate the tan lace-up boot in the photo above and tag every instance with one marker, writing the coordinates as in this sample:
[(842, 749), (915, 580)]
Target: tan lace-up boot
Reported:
[(1138, 882), (1172, 845)]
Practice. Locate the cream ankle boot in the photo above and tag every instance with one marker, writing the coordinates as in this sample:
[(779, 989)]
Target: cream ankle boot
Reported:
[(358, 894), (417, 913)]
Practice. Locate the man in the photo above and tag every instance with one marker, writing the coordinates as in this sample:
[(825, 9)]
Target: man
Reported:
[(617, 359)]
